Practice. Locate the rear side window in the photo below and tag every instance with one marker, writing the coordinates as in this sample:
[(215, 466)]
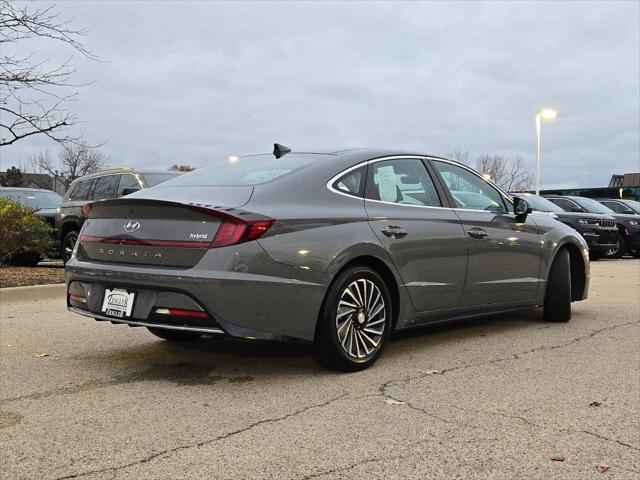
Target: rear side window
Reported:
[(252, 170), (351, 183), (403, 181), (105, 187), (81, 190)]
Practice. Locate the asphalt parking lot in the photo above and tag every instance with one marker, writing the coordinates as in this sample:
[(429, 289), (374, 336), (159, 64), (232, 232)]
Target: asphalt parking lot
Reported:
[(493, 398)]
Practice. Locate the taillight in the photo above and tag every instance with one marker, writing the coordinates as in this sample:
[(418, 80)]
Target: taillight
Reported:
[(232, 232), (236, 228)]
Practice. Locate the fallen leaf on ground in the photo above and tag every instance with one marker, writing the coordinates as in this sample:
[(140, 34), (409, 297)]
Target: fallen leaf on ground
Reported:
[(429, 372), (392, 401), (557, 458), (601, 467), (40, 355)]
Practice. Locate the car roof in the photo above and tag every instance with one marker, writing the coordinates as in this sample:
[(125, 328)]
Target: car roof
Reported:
[(353, 155)]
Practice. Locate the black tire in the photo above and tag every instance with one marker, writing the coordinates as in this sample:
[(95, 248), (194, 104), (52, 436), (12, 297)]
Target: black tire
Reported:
[(636, 254), (174, 335), (67, 244), (620, 249), (557, 300), (26, 259), (371, 314)]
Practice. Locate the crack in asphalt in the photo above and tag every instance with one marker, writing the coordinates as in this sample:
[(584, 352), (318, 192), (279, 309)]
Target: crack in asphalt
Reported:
[(602, 437), (346, 468), (513, 356), (205, 442)]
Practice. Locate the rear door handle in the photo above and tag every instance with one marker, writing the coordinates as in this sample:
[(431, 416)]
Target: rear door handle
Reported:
[(394, 231), (477, 233)]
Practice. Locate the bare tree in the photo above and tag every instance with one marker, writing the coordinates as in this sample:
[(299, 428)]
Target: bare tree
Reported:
[(510, 174), (181, 168), (34, 92), (74, 160)]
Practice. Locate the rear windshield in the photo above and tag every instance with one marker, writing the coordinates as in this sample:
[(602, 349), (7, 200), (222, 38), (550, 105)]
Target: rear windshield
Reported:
[(34, 199), (153, 179), (251, 170)]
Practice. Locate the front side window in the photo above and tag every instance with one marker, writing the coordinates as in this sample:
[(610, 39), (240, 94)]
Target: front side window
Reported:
[(351, 183), (105, 187), (567, 205), (153, 179), (617, 207), (403, 181), (127, 181), (81, 190), (469, 191)]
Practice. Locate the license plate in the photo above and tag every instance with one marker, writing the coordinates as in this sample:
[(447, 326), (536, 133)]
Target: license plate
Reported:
[(118, 303)]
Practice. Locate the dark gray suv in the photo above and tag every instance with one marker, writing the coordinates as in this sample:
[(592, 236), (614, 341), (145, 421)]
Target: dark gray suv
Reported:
[(104, 185), (339, 247)]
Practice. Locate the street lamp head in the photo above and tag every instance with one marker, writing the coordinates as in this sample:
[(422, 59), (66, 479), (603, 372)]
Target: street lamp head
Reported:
[(547, 114)]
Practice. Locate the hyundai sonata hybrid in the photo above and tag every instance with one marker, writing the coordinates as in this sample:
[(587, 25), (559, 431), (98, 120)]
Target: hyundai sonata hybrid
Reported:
[(337, 247)]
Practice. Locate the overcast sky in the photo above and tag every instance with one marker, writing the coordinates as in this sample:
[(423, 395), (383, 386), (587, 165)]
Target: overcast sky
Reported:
[(189, 82)]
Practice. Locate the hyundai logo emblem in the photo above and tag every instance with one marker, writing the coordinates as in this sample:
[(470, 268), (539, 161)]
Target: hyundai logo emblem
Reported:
[(132, 226)]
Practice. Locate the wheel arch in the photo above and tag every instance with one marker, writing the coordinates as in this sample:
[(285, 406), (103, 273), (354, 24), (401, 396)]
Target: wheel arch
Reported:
[(579, 269)]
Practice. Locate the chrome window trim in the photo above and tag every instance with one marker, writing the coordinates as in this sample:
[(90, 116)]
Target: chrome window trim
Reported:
[(418, 157), (375, 160)]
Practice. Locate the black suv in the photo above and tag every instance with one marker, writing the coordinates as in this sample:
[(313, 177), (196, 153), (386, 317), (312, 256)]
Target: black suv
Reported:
[(627, 225), (103, 185), (598, 230)]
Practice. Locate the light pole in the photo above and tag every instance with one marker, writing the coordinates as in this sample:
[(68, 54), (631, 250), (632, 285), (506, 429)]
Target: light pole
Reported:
[(542, 114)]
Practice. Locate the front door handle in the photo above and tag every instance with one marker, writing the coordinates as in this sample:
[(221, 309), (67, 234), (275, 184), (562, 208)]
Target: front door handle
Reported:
[(477, 233), (394, 231)]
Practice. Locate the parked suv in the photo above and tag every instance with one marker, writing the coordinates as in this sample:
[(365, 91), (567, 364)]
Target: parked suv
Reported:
[(103, 185), (621, 205), (628, 225), (599, 230)]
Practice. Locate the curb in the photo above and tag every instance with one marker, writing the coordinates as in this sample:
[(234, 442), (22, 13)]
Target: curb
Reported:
[(32, 293)]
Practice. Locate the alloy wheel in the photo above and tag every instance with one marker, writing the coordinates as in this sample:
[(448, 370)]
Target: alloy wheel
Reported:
[(361, 319)]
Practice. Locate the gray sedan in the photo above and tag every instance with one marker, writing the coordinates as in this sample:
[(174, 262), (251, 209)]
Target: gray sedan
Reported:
[(338, 248)]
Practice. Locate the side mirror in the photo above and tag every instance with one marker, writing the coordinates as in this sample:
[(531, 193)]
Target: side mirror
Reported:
[(129, 190), (577, 209), (521, 208)]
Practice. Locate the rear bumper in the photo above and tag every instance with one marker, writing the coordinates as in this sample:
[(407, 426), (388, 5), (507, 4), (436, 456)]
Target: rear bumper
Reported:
[(256, 298), (136, 323)]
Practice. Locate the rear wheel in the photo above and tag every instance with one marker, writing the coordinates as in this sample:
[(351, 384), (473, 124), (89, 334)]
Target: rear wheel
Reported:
[(25, 259), (355, 321), (68, 242), (174, 335), (557, 300)]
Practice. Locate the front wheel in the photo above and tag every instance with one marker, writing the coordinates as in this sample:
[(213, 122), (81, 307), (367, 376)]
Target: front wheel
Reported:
[(620, 249), (355, 321), (557, 300)]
